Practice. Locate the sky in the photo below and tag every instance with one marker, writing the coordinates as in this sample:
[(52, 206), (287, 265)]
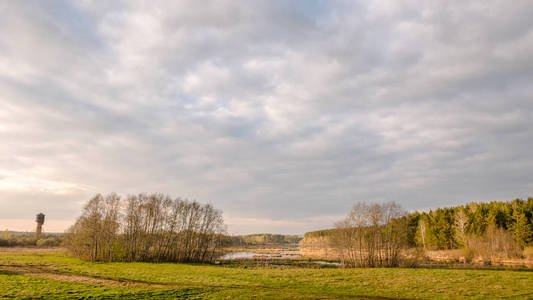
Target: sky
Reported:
[(282, 114)]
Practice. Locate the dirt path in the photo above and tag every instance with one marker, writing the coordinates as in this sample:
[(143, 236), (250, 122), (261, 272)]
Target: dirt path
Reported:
[(44, 272)]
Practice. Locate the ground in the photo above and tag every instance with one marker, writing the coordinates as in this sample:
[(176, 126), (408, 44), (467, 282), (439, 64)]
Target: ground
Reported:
[(56, 275)]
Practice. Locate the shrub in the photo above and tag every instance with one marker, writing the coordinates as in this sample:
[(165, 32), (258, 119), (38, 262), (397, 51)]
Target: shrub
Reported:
[(528, 252), (48, 242), (469, 254), (413, 258), (495, 244)]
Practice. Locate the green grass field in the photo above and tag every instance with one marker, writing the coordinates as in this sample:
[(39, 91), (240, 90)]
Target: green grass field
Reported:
[(56, 275)]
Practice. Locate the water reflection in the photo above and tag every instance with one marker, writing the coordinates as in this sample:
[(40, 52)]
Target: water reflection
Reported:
[(251, 255), (284, 254)]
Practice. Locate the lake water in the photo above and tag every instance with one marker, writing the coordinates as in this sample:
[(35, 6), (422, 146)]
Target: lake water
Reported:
[(251, 255), (285, 254)]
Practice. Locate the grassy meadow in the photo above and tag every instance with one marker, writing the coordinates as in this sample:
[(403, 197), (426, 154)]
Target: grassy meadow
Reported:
[(57, 275)]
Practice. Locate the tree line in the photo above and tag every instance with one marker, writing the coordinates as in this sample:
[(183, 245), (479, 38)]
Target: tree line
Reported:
[(481, 229), (375, 234), (26, 239), (260, 239), (145, 227), (452, 227)]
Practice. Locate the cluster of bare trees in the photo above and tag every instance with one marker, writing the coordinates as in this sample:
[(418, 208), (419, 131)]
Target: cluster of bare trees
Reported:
[(146, 228), (495, 244), (371, 235)]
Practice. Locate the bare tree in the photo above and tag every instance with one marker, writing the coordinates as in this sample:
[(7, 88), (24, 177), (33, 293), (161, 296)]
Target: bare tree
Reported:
[(146, 228), (371, 235), (460, 226), (422, 232), (495, 244)]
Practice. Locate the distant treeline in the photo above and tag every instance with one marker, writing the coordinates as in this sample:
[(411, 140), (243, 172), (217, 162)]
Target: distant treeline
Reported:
[(260, 239), (27, 239), (466, 225), (318, 233), (143, 227)]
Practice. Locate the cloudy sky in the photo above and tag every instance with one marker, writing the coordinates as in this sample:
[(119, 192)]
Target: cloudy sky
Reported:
[(280, 113)]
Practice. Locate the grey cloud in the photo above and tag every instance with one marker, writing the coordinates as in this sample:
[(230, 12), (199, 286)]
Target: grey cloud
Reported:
[(270, 110)]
